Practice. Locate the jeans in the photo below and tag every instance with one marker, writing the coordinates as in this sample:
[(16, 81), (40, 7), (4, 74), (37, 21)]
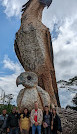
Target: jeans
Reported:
[(36, 127), (14, 131), (47, 130)]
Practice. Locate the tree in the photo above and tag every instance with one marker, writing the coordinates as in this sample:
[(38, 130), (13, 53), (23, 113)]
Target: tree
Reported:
[(5, 98), (2, 97), (8, 107), (75, 100), (9, 98)]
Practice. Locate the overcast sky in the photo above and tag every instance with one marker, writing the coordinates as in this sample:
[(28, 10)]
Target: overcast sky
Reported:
[(61, 18)]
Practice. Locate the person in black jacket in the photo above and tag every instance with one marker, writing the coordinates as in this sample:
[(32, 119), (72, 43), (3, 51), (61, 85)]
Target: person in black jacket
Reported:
[(13, 122), (3, 120), (47, 118), (56, 122)]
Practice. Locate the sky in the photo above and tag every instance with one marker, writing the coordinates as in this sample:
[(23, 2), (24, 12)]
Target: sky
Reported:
[(60, 18)]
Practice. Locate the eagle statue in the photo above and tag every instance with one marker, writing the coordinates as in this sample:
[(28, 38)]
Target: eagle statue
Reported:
[(33, 47), (31, 93)]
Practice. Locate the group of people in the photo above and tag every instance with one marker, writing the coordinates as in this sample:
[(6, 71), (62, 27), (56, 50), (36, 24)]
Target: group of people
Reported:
[(36, 122)]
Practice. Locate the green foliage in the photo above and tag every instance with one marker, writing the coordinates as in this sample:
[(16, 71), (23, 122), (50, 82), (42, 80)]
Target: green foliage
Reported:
[(7, 107), (71, 107), (73, 79), (75, 100)]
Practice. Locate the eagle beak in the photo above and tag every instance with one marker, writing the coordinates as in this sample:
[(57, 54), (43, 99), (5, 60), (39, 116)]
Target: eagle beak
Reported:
[(19, 80), (17, 83)]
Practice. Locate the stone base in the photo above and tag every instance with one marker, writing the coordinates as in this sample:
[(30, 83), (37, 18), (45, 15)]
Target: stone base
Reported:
[(69, 120)]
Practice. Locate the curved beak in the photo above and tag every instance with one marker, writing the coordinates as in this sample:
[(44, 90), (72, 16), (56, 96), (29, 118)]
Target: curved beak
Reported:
[(18, 81)]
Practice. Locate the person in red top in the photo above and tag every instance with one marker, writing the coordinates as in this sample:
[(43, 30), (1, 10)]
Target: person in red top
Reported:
[(36, 119), (35, 115)]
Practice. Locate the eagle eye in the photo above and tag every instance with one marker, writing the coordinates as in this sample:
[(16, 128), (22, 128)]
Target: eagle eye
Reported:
[(29, 77)]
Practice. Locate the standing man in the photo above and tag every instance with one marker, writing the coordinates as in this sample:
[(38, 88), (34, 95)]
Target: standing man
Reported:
[(36, 119), (3, 120), (13, 122)]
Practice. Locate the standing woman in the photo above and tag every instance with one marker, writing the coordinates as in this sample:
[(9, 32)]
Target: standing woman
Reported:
[(47, 119), (56, 122), (24, 122)]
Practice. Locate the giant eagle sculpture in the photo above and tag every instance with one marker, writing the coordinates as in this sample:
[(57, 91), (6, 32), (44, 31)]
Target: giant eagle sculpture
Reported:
[(33, 47)]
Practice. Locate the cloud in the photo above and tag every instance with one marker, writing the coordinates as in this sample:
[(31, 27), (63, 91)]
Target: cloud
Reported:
[(59, 11), (13, 7), (65, 51), (8, 64), (61, 18), (8, 82)]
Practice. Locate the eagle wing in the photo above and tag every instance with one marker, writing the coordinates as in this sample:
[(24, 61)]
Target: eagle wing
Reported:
[(16, 48)]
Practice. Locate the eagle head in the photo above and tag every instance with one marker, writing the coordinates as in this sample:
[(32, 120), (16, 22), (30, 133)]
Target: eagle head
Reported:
[(46, 2), (27, 79)]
